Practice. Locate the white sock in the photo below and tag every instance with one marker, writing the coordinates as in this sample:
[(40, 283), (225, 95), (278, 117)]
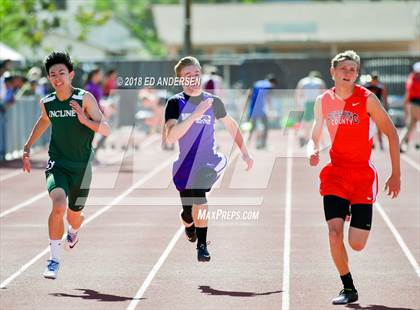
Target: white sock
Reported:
[(72, 230), (55, 246)]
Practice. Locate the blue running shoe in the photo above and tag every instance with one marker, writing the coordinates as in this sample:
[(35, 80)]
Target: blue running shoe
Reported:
[(51, 270)]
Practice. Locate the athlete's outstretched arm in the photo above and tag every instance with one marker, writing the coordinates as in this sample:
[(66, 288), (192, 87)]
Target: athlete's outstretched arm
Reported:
[(385, 125), (40, 126), (233, 129), (313, 145), (175, 130), (90, 115)]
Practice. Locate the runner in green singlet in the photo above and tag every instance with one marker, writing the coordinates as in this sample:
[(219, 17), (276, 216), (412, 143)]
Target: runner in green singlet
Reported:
[(74, 116)]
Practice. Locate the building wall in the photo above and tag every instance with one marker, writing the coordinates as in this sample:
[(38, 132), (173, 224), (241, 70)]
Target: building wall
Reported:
[(404, 47)]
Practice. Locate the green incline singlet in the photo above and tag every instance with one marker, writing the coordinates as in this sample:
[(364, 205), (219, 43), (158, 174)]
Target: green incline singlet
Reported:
[(70, 140)]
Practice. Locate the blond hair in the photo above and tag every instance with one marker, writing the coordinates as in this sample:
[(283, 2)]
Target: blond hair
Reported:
[(346, 55), (185, 62)]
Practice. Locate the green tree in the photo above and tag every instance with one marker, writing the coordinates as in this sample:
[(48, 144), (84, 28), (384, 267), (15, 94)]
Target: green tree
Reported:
[(137, 17), (19, 24), (27, 22)]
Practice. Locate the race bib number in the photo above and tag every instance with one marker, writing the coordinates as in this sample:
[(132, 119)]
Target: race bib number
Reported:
[(50, 164)]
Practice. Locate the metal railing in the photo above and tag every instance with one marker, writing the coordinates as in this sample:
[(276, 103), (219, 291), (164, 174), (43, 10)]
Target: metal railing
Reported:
[(16, 124)]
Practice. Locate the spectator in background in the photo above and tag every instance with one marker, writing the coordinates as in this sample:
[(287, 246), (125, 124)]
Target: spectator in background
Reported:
[(18, 82), (108, 104), (2, 111), (110, 82), (9, 96), (379, 89), (307, 90), (6, 101), (43, 87), (411, 104), (152, 111), (211, 81), (4, 68), (37, 83), (35, 73), (29, 88), (259, 97), (94, 84)]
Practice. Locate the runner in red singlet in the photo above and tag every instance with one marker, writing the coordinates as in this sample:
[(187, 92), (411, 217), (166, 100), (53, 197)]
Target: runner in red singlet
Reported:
[(349, 183)]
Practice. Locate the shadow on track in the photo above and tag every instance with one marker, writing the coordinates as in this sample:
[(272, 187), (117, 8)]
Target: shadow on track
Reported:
[(374, 307), (95, 295), (205, 289)]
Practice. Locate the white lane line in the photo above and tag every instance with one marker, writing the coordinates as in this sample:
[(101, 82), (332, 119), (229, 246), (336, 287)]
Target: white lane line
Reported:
[(6, 282), (24, 204), (155, 269), (174, 201), (91, 218), (287, 226), (16, 172), (120, 157), (162, 259), (139, 183), (10, 175), (398, 237), (147, 142), (411, 162)]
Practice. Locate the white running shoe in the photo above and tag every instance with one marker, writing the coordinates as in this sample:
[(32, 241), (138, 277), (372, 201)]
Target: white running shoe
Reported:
[(51, 270), (71, 241)]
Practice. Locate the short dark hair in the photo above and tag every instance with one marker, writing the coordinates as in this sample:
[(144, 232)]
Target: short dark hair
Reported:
[(271, 78), (58, 57), (375, 75), (9, 79), (4, 63), (111, 71), (91, 74)]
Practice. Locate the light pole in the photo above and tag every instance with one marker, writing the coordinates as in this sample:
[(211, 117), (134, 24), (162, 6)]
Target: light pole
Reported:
[(187, 27)]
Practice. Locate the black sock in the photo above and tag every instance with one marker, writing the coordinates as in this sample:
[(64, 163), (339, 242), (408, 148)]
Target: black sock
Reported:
[(201, 235), (190, 229), (348, 281)]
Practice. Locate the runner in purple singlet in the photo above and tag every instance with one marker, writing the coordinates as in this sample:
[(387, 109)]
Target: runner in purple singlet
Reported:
[(190, 119)]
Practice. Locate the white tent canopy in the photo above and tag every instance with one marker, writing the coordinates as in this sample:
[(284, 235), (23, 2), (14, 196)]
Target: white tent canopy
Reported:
[(7, 52)]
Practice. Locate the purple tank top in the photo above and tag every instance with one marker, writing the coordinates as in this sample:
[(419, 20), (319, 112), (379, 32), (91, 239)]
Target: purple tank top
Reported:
[(197, 145)]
